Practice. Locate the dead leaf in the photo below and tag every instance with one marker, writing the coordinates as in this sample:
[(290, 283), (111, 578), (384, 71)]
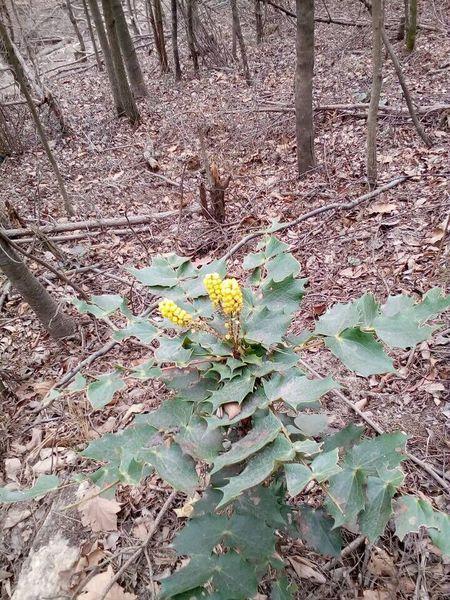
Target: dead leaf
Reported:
[(382, 208), (232, 409), (12, 467), (377, 595), (98, 513), (95, 588), (361, 403), (188, 507), (381, 563), (15, 516), (304, 570)]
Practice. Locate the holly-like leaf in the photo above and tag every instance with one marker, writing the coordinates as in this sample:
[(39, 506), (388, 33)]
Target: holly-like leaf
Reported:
[(141, 329), (171, 414), (380, 491), (295, 389), (325, 465), (171, 350), (384, 451), (395, 305), (401, 331), (345, 438), (338, 318), (311, 425), (45, 484), (258, 468), (368, 309), (266, 327), (282, 589), (101, 391), (346, 496), (282, 266), (433, 303), (198, 441), (317, 530), (412, 513), (100, 306), (146, 370), (360, 352), (307, 447), (253, 260), (173, 466), (284, 295), (264, 431), (297, 477), (253, 402), (196, 573), (234, 390), (201, 535), (78, 384), (264, 503)]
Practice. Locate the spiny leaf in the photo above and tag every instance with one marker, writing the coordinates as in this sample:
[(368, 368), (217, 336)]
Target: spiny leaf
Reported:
[(171, 414), (384, 451), (307, 447), (282, 589), (100, 306), (141, 329), (201, 535), (380, 491), (146, 370), (173, 466), (234, 390), (368, 309), (264, 431), (171, 350), (317, 530), (345, 438), (258, 468), (311, 425), (325, 465), (401, 331), (198, 441), (433, 303), (101, 391), (338, 318), (284, 295), (266, 327), (253, 402), (296, 389), (282, 266), (360, 352), (346, 496), (297, 477), (45, 484)]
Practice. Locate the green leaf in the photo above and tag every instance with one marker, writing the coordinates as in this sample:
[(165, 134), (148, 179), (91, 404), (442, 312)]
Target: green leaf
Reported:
[(345, 438), (325, 465), (266, 327), (397, 304), (265, 430), (433, 303), (160, 274), (254, 260), (258, 468), (44, 484), (146, 370), (249, 406), (284, 295), (295, 389), (346, 496), (368, 309), (78, 384), (198, 441), (171, 414), (297, 477), (273, 246), (201, 535), (264, 503), (412, 513), (401, 331), (317, 530), (360, 352), (171, 350), (141, 329), (283, 590), (311, 425), (111, 446), (99, 306), (101, 391), (307, 447), (234, 390), (383, 451), (173, 466), (282, 266), (280, 360), (251, 537), (380, 491), (195, 574), (338, 318)]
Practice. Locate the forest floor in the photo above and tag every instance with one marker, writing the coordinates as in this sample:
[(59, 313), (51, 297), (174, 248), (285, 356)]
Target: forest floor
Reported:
[(395, 244)]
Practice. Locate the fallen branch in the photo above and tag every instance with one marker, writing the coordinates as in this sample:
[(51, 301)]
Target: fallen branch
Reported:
[(142, 547), (392, 110), (344, 552), (412, 457), (318, 211), (96, 223), (70, 237)]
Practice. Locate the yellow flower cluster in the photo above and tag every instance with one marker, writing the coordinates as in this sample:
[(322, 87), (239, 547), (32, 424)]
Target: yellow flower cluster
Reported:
[(231, 297), (213, 285), (169, 310)]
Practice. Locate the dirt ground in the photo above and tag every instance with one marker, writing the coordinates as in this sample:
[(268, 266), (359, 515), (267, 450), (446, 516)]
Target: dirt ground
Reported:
[(395, 244)]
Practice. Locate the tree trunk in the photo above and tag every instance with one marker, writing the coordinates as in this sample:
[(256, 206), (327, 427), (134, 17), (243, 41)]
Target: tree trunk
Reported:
[(128, 51), (107, 56), (6, 17), (176, 54), (240, 38), (34, 293), (377, 79), (133, 18), (259, 22), (92, 35), (156, 16), (128, 103), (411, 30), (304, 73), (76, 29), (20, 78), (190, 10)]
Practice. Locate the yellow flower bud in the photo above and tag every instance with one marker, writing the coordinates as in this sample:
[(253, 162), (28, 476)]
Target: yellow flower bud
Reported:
[(169, 310), (232, 300), (213, 285)]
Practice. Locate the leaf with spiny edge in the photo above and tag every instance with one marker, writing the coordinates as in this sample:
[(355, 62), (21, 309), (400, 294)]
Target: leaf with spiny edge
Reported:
[(101, 391)]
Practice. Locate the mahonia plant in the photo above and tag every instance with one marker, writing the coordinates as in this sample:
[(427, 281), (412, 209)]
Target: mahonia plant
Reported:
[(243, 424)]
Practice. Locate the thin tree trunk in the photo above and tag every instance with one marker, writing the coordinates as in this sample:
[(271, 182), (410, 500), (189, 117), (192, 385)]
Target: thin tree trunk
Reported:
[(133, 18), (156, 16), (240, 38), (34, 293), (128, 51), (92, 35), (259, 22), (411, 30), (107, 56), (304, 73), (190, 10), (130, 109), (176, 54), (20, 78), (6, 17), (377, 79), (76, 29)]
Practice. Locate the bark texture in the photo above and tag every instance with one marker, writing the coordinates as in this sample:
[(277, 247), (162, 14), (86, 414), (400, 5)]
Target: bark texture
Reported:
[(377, 79), (92, 35), (191, 38), (411, 30), (176, 53), (76, 29), (304, 73), (237, 34)]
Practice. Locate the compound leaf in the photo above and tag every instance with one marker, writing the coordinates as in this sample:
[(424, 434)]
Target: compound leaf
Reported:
[(380, 491), (317, 530), (101, 391)]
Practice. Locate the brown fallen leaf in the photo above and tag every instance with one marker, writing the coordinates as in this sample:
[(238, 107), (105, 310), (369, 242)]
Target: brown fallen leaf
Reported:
[(304, 570), (95, 588), (377, 595), (382, 208), (188, 507), (232, 409), (98, 513), (381, 563)]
